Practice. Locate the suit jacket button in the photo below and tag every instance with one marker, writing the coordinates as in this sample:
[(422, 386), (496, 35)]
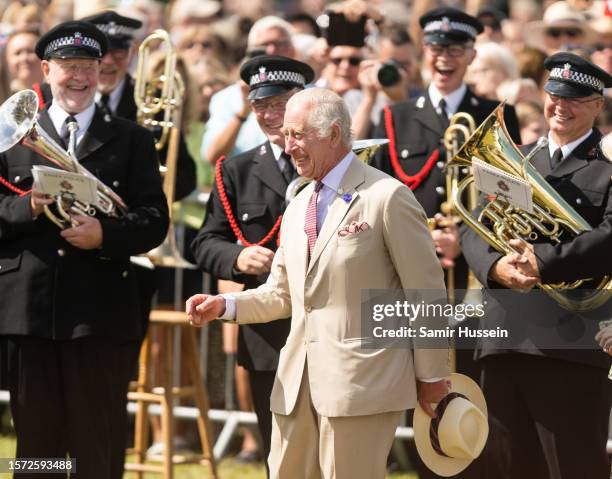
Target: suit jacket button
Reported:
[(61, 252), (308, 309), (115, 183), (245, 216), (440, 164), (404, 153), (124, 274), (578, 201), (17, 178), (440, 190)]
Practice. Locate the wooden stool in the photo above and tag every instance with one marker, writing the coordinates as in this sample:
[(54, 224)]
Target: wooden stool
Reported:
[(165, 395)]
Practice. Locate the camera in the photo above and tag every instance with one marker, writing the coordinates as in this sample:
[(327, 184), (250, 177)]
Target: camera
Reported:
[(389, 74)]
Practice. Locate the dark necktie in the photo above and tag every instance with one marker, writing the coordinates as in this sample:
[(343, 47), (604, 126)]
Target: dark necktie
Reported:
[(310, 225), (556, 158), (441, 111), (288, 170), (67, 131), (104, 103)]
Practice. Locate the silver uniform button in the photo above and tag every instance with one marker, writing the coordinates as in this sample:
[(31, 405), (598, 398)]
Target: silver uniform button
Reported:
[(340, 191), (578, 201), (440, 190), (61, 252), (115, 183), (245, 216), (404, 153), (440, 164), (124, 274), (17, 178)]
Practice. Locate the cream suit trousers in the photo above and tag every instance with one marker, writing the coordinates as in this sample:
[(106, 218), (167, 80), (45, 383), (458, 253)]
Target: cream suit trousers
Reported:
[(306, 445)]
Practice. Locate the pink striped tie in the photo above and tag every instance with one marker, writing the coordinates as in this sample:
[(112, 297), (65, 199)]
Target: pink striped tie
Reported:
[(310, 226)]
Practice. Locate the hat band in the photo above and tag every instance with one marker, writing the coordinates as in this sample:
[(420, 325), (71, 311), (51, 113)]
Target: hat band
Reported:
[(446, 27), (435, 422), (73, 41), (559, 73), (280, 76), (114, 29)]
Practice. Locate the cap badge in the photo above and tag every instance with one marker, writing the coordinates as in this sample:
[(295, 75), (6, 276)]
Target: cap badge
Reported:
[(445, 25), (112, 28), (263, 75), (566, 71), (77, 38)]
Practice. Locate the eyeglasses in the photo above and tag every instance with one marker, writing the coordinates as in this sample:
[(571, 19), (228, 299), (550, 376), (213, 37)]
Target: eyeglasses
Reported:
[(571, 101), (454, 51), (260, 106), (569, 32), (353, 61), (600, 47), (73, 68)]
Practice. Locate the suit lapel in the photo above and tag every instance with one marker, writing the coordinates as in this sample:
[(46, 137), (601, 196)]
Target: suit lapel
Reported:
[(266, 169), (469, 104), (354, 176), (44, 120), (98, 133), (579, 158), (541, 161), (127, 105), (427, 116)]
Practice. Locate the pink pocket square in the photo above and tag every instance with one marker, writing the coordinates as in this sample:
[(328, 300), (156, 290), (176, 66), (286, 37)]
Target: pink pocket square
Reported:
[(354, 228)]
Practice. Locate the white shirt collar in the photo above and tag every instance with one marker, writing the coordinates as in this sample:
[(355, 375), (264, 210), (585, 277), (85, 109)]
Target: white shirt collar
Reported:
[(58, 118), (453, 100), (566, 149), (334, 177), (115, 96)]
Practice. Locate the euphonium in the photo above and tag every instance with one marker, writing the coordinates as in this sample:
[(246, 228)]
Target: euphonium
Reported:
[(162, 94), (552, 218), (364, 149), (18, 125)]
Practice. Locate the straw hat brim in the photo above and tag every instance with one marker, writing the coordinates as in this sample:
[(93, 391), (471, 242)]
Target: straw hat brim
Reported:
[(442, 465), (535, 31)]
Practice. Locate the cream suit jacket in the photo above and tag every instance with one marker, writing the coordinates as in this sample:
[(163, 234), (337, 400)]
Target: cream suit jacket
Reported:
[(323, 298)]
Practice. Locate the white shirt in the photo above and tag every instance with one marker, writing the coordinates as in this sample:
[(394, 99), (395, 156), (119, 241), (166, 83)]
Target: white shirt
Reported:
[(277, 151), (453, 100), (566, 149), (58, 118)]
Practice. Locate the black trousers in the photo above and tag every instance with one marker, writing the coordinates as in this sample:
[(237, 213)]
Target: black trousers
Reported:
[(69, 397), (552, 413), (261, 388)]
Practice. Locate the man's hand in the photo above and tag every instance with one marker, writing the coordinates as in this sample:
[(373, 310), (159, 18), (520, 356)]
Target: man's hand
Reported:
[(246, 105), (526, 262), (38, 201), (354, 9), (428, 393), (368, 79), (203, 308), (447, 243), (255, 260), (506, 272), (604, 338), (86, 232)]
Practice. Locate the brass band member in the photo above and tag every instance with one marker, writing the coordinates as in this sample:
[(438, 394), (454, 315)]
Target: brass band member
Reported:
[(69, 308), (554, 404)]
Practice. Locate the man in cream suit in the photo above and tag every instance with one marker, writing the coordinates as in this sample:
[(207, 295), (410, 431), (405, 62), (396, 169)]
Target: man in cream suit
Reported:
[(336, 405)]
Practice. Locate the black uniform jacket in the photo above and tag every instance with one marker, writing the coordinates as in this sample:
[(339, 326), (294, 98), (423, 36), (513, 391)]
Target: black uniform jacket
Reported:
[(584, 180), (419, 132), (53, 290), (255, 189), (185, 170)]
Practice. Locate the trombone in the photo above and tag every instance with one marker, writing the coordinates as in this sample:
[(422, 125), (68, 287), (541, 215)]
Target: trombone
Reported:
[(162, 94)]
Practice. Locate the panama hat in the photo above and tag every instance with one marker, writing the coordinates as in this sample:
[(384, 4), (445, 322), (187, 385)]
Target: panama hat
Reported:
[(557, 15), (457, 436)]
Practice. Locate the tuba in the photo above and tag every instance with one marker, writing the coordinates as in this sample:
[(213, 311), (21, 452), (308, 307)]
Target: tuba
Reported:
[(162, 94), (18, 126), (552, 219), (363, 149)]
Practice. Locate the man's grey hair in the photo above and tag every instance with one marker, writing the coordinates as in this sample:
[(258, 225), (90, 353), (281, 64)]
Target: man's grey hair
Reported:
[(267, 23), (326, 109)]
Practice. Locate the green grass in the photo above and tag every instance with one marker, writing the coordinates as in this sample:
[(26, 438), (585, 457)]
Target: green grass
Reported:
[(227, 469)]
